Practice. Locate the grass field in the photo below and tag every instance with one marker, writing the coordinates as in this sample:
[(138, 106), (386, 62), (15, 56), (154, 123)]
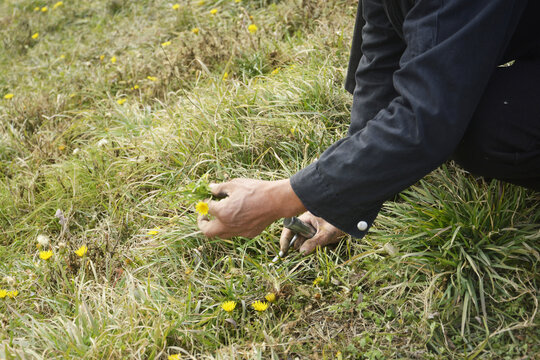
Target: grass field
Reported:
[(114, 115)]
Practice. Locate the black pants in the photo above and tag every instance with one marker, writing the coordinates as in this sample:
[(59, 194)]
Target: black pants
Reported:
[(503, 138)]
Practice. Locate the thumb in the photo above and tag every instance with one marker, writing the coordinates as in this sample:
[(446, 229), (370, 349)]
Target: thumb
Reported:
[(219, 190), (286, 236)]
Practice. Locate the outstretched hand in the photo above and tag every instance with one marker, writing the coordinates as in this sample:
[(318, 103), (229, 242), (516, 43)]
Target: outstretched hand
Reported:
[(326, 234), (248, 206)]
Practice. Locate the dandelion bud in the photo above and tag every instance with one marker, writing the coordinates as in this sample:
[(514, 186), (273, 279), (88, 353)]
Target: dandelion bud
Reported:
[(270, 297), (62, 245)]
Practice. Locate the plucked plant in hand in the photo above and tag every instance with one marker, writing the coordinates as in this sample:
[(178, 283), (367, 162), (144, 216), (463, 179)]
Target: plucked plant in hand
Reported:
[(197, 190)]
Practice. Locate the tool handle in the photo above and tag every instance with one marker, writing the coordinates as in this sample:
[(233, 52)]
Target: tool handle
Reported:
[(299, 227)]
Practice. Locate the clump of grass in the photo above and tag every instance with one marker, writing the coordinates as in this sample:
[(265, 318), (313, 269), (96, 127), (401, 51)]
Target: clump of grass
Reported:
[(475, 243)]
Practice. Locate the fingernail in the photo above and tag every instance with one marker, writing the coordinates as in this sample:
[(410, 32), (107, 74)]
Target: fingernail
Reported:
[(280, 254)]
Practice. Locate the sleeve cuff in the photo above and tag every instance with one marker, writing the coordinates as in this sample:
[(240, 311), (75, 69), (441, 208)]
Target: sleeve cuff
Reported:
[(317, 196)]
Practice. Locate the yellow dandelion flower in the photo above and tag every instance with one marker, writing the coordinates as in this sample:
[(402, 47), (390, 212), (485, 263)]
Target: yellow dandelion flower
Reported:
[(195, 31), (121, 101), (81, 251), (61, 147), (237, 1), (12, 294), (151, 78), (225, 75), (174, 357), (228, 306), (59, 3), (166, 43), (45, 255), (201, 3), (36, 8), (153, 231), (44, 9), (260, 306), (35, 36), (213, 11), (101, 57), (8, 96), (202, 208), (176, 6), (253, 28), (276, 70), (270, 297), (293, 131), (3, 293), (113, 60), (317, 281), (135, 87), (62, 56)]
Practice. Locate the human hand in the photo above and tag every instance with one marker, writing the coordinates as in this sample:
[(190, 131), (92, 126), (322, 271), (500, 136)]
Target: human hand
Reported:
[(248, 207), (326, 234)]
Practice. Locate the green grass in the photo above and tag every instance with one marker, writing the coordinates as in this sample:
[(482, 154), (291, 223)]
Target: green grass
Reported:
[(450, 269)]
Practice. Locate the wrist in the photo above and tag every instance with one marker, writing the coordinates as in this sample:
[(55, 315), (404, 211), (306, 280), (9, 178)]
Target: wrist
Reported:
[(285, 201)]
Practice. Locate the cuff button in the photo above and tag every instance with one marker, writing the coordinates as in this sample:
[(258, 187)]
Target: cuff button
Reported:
[(362, 225)]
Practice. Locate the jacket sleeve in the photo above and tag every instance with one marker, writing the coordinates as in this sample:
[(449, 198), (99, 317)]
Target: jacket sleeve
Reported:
[(381, 49), (452, 48), (356, 49)]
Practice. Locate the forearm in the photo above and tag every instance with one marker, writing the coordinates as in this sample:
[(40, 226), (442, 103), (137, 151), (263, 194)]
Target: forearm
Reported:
[(283, 201)]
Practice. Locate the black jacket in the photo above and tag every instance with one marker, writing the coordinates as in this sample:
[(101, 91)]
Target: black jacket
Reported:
[(417, 72)]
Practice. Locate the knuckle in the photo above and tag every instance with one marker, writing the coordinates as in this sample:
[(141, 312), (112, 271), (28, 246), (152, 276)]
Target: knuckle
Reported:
[(235, 181)]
